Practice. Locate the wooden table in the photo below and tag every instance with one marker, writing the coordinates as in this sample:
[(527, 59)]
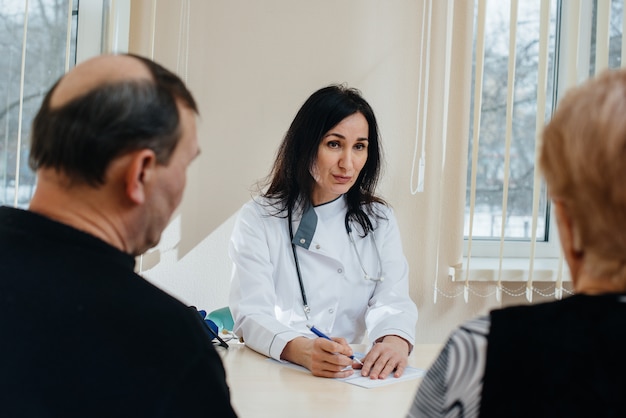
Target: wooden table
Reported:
[(261, 387)]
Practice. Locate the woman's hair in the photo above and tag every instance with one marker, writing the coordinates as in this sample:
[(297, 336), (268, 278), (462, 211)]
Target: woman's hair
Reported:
[(290, 182), (583, 159)]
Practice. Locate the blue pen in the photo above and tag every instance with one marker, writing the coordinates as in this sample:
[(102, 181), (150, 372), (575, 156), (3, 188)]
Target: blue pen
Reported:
[(322, 335)]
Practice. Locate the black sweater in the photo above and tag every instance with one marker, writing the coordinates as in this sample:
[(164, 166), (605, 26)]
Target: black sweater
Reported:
[(82, 335), (557, 359)]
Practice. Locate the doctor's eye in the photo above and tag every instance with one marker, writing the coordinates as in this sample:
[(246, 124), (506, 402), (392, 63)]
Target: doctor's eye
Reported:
[(360, 146), (333, 144)]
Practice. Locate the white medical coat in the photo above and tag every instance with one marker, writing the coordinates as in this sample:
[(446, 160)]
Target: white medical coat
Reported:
[(265, 297)]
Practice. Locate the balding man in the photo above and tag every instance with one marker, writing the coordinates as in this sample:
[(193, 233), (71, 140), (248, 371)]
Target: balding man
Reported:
[(81, 334)]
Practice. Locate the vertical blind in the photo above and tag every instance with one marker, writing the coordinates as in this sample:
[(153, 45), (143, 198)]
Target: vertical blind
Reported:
[(37, 43), (567, 52)]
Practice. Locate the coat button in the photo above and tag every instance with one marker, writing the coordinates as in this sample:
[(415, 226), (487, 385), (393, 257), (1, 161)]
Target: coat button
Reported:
[(339, 270), (317, 247), (302, 241), (331, 310)]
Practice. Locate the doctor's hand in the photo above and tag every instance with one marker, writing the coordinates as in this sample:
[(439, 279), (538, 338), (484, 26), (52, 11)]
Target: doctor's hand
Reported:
[(324, 358), (389, 355)]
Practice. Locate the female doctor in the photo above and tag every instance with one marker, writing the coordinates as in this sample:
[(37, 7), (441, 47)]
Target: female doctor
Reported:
[(319, 248)]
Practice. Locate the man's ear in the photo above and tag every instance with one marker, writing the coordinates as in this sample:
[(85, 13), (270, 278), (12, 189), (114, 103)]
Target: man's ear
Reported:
[(139, 174)]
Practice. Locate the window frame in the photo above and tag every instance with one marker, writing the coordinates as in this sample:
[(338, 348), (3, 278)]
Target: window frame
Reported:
[(550, 249), (486, 262), (103, 27)]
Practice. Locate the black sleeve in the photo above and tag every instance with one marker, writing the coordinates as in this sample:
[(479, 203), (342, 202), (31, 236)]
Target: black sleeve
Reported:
[(202, 390)]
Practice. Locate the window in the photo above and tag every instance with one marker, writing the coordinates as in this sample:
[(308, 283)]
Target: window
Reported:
[(492, 151), (39, 42), (33, 44), (501, 188)]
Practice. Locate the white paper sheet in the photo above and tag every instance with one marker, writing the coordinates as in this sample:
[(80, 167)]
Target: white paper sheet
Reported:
[(358, 380)]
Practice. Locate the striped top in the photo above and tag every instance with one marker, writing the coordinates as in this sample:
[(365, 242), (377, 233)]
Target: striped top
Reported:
[(453, 385)]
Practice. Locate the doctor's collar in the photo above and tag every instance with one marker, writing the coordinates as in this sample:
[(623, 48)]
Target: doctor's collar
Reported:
[(306, 229), (303, 236), (329, 202)]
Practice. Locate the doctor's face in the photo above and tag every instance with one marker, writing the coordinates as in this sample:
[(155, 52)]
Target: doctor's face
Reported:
[(341, 155)]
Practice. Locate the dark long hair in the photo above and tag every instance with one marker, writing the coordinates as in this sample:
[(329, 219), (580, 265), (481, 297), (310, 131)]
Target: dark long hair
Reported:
[(290, 181)]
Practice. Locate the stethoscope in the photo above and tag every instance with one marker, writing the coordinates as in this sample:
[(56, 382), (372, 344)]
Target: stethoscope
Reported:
[(378, 278)]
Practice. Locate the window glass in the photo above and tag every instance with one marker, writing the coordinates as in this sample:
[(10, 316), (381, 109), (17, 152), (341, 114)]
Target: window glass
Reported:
[(488, 217), (490, 170), (43, 30)]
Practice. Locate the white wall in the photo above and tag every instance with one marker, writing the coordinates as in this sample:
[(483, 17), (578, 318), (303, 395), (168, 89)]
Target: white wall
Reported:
[(251, 64)]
